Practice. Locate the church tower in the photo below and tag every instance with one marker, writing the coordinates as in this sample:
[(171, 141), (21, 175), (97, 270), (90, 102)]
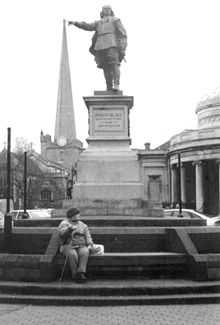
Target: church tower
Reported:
[(66, 147), (65, 128)]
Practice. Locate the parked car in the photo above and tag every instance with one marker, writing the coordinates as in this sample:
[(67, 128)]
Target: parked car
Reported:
[(52, 212), (215, 221), (30, 214), (192, 214)]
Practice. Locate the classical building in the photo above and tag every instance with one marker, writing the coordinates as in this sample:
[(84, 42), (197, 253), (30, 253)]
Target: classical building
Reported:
[(200, 160)]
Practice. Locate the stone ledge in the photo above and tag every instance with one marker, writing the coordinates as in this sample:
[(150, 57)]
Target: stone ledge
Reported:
[(92, 220), (132, 259), (20, 260)]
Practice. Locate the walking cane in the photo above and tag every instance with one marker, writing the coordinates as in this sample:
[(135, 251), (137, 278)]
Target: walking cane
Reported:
[(63, 269)]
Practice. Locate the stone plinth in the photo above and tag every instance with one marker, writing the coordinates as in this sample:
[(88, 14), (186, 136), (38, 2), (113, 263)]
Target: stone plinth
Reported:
[(108, 170), (109, 121)]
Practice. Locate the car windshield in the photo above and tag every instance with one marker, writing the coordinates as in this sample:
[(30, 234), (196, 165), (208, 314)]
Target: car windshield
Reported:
[(38, 214), (184, 214), (13, 214)]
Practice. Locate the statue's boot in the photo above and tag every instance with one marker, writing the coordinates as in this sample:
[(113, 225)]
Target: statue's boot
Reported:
[(116, 76), (108, 78)]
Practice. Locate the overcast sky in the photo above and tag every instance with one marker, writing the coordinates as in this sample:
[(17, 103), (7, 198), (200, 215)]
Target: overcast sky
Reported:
[(173, 60)]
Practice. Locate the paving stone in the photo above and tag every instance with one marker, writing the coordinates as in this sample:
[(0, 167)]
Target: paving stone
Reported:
[(131, 315)]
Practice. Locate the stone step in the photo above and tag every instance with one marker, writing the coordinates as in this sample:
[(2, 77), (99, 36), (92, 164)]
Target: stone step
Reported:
[(138, 286), (29, 267), (126, 265), (106, 293), (138, 259), (111, 300), (115, 239)]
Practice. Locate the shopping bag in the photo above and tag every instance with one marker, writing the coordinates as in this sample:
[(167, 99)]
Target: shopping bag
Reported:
[(96, 250)]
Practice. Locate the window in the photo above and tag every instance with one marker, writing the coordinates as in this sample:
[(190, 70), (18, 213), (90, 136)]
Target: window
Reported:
[(46, 195)]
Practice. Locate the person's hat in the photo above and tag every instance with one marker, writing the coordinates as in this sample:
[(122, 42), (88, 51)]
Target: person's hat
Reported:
[(72, 212), (107, 7)]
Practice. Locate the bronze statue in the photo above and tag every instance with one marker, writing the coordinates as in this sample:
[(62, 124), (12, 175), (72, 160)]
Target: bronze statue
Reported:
[(108, 45)]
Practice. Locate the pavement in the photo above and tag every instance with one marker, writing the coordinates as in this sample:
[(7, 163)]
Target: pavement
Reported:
[(129, 315)]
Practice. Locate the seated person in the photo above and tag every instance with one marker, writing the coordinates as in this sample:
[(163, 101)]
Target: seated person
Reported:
[(75, 243)]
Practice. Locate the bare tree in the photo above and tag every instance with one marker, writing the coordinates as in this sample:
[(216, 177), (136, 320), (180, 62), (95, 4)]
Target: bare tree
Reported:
[(22, 145)]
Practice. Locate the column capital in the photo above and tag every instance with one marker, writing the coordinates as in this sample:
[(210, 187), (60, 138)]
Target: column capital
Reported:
[(197, 163), (174, 166)]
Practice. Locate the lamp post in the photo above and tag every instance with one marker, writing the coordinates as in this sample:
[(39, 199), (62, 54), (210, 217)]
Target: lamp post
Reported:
[(7, 217), (25, 182), (8, 171)]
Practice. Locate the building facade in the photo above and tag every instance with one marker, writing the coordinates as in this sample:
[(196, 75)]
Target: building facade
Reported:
[(50, 173), (200, 159), (153, 167), (46, 181)]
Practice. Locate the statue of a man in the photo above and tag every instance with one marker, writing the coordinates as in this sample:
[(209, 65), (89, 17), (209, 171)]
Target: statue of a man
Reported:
[(108, 45)]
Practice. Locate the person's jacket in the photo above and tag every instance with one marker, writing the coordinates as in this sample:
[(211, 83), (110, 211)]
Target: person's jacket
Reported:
[(76, 235), (109, 32)]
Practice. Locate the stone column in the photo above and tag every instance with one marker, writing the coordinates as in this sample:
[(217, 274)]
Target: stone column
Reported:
[(183, 184), (173, 185), (199, 186), (218, 162)]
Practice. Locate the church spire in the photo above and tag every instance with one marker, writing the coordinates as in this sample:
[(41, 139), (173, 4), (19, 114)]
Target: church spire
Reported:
[(65, 129)]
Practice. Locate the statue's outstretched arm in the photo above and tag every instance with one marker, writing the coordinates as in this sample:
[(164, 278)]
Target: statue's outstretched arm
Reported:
[(83, 25)]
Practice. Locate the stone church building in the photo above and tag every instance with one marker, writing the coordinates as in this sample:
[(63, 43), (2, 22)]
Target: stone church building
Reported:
[(50, 172)]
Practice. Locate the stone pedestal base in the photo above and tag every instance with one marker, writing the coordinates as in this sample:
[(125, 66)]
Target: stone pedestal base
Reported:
[(108, 171), (108, 181), (114, 208)]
